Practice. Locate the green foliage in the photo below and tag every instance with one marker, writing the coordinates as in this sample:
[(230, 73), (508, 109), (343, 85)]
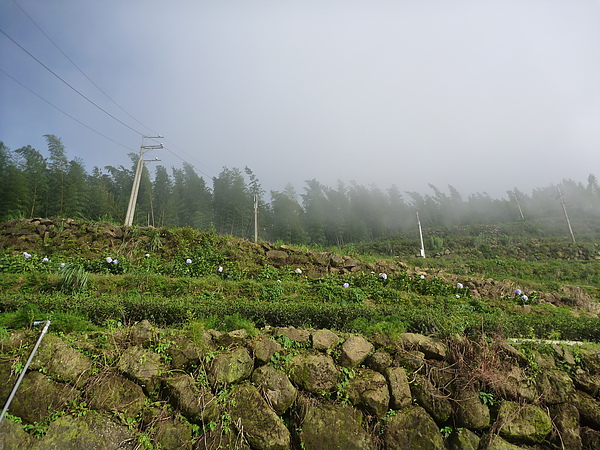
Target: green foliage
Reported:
[(391, 325), (436, 244), (20, 318), (271, 292), (73, 278), (487, 398)]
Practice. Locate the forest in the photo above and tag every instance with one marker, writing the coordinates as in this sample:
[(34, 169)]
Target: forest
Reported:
[(33, 184)]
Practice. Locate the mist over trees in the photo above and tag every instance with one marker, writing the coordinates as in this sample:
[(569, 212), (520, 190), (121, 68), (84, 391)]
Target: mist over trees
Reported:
[(36, 185)]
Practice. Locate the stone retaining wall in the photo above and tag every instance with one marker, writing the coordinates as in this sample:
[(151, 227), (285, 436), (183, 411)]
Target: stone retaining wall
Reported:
[(143, 387)]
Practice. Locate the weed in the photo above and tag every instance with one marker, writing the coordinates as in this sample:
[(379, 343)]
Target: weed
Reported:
[(487, 398), (73, 278)]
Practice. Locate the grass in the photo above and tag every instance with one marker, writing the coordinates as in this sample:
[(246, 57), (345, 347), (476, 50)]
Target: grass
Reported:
[(227, 278)]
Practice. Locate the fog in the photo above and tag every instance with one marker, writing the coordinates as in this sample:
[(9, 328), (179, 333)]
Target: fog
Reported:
[(483, 96)]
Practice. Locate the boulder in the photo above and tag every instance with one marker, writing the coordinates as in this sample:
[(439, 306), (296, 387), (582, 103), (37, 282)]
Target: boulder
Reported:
[(410, 360), (277, 258), (230, 367), (432, 348), (566, 420), (431, 398), (554, 386), (412, 428), (294, 334), (261, 426), (91, 431), (38, 397), (470, 411), (143, 334), (324, 340), (523, 423), (12, 436), (235, 337), (400, 395), (379, 361), (276, 388), (590, 359), (369, 390), (110, 392), (61, 362), (264, 348), (333, 427), (495, 442), (142, 366), (590, 439), (354, 351), (588, 407), (195, 401), (588, 383), (173, 434), (463, 439), (184, 353), (315, 373), (221, 437)]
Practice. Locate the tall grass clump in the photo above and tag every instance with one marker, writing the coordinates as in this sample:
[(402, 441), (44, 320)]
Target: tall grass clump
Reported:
[(73, 278)]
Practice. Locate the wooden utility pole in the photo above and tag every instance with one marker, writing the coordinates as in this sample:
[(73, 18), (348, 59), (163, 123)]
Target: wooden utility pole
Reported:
[(137, 177)]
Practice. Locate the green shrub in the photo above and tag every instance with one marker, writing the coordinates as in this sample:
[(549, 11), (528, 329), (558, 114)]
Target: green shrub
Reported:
[(73, 278)]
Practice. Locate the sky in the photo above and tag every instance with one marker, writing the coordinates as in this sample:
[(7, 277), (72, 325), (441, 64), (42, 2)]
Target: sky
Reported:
[(484, 96)]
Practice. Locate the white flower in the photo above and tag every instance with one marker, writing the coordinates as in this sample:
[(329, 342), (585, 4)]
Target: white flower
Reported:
[(383, 275), (524, 297), (457, 296), (45, 259), (220, 269), (62, 264), (459, 285), (346, 285), (115, 261), (279, 281), (518, 291), (26, 255), (298, 271), (188, 261), (422, 277), (108, 259), (147, 255)]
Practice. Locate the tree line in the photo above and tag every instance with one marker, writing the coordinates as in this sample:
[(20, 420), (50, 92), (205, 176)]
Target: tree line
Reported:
[(34, 185)]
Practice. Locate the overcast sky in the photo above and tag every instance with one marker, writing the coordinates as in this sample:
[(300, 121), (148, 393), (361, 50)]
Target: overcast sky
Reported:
[(481, 95)]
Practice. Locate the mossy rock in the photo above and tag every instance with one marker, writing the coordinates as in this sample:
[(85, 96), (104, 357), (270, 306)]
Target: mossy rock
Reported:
[(412, 428), (316, 373), (230, 367), (251, 413), (332, 427), (92, 431), (527, 424), (111, 392)]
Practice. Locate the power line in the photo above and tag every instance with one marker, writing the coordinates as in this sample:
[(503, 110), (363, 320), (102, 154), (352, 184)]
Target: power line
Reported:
[(65, 82), (79, 69), (194, 167), (82, 95), (65, 113)]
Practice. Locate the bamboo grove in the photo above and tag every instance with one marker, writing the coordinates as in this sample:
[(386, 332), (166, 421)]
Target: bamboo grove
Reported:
[(35, 185)]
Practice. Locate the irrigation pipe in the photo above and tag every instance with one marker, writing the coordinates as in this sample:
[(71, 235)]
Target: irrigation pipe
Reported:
[(37, 344)]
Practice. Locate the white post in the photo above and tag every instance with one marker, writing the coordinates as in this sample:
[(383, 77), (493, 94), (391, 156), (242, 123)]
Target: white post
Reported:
[(562, 202), (255, 218), (421, 236)]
